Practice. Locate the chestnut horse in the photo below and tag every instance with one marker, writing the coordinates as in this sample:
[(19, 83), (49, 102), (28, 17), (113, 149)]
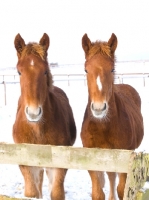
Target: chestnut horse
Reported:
[(44, 115), (113, 118)]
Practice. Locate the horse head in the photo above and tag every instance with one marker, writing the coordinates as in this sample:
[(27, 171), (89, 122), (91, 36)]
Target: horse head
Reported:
[(35, 77), (99, 66)]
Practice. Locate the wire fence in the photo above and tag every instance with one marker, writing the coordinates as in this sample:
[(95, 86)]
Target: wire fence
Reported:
[(135, 73), (141, 79)]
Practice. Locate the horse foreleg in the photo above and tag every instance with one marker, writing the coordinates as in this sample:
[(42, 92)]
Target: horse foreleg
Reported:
[(33, 178), (97, 179), (121, 185), (112, 179), (56, 181)]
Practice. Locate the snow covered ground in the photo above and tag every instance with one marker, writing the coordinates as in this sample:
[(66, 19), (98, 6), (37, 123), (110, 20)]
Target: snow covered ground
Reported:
[(77, 182)]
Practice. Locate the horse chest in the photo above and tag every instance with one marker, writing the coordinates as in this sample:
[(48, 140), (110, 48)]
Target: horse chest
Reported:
[(43, 135), (103, 136)]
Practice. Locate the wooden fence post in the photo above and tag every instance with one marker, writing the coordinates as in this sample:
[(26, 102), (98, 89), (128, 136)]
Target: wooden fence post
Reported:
[(136, 176)]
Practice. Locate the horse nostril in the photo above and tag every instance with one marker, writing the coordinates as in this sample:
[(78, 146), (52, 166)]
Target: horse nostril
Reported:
[(92, 106), (27, 110), (104, 107), (39, 111)]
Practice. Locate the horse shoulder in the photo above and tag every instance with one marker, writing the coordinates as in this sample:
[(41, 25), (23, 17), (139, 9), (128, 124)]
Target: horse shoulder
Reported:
[(63, 113), (128, 94), (59, 99), (58, 91), (128, 105)]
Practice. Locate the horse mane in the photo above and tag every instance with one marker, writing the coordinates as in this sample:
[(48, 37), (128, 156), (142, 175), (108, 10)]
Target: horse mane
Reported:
[(49, 79), (99, 47), (39, 51)]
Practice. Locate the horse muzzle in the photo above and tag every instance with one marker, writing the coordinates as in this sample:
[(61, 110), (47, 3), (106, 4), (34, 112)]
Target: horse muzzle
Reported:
[(99, 110), (33, 114)]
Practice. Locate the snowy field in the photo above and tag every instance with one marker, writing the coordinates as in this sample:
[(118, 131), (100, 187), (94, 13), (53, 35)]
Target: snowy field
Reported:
[(77, 182)]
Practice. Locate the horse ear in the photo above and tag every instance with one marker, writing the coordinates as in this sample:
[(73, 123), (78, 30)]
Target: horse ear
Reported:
[(45, 41), (86, 43), (19, 44), (113, 43)]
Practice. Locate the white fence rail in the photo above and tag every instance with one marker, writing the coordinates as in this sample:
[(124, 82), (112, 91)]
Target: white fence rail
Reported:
[(69, 79)]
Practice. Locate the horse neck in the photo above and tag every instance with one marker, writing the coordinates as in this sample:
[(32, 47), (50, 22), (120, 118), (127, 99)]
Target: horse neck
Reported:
[(112, 104), (47, 106)]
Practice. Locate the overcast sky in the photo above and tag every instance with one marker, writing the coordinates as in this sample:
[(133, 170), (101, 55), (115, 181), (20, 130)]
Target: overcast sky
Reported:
[(66, 21)]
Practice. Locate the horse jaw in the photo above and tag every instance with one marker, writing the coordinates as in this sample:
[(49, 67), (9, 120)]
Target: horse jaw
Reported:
[(33, 114)]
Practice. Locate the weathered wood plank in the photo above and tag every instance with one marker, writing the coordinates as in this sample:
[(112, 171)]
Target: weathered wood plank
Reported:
[(65, 157), (143, 195), (112, 160), (3, 197)]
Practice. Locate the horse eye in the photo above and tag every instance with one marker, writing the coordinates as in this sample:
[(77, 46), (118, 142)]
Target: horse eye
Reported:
[(113, 70), (19, 73), (85, 70)]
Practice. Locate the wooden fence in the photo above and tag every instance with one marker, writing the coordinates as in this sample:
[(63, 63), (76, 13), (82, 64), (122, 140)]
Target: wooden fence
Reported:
[(127, 161)]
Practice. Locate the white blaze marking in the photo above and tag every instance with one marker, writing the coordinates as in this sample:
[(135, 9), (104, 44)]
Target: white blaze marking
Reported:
[(99, 83), (32, 63)]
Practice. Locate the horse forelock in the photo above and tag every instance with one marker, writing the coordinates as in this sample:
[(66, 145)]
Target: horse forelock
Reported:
[(35, 49), (38, 50), (99, 47)]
